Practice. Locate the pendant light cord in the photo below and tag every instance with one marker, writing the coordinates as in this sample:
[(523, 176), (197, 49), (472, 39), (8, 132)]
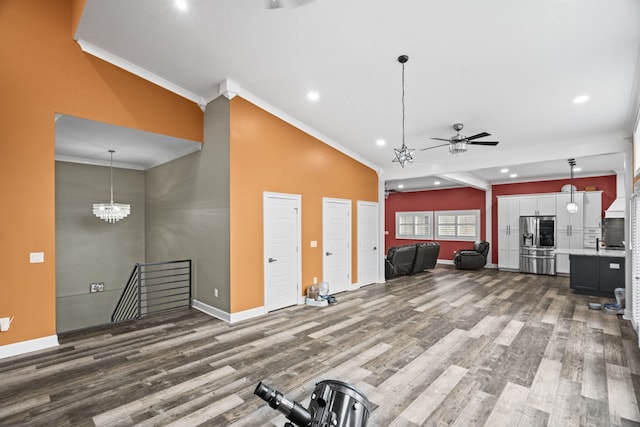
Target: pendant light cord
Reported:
[(403, 144), (111, 174)]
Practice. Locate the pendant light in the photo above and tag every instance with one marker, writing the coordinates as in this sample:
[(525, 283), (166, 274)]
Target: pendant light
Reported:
[(111, 212), (403, 154), (572, 207)]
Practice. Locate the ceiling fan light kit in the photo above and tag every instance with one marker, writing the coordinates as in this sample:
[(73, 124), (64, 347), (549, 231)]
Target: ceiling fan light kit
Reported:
[(403, 155), (458, 143)]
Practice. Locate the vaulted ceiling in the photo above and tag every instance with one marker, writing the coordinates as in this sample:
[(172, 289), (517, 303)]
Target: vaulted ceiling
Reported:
[(510, 68)]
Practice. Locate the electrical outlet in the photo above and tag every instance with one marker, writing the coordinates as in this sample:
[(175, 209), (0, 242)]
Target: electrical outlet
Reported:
[(96, 287), (215, 292)]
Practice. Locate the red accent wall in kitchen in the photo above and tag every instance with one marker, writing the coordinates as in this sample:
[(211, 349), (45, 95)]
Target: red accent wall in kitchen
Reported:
[(434, 200), (470, 198), (605, 183)]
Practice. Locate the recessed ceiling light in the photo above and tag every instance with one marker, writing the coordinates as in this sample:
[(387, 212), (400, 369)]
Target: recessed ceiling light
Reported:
[(513, 175), (580, 99), (381, 142), (400, 185), (436, 183), (504, 170), (313, 96), (181, 4)]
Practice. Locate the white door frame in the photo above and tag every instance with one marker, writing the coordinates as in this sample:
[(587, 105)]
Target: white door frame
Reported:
[(359, 205), (298, 199), (347, 203)]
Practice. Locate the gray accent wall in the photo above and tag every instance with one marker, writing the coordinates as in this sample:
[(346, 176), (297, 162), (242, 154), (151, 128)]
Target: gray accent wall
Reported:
[(89, 249), (187, 210)]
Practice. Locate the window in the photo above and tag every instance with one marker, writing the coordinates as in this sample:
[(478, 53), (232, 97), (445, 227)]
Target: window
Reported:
[(458, 225), (414, 225)]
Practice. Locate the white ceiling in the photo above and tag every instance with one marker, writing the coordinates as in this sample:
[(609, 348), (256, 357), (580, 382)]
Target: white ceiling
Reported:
[(86, 141), (510, 68)]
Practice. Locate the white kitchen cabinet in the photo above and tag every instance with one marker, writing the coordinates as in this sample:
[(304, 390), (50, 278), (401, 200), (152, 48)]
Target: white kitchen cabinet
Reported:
[(509, 233), (567, 239), (565, 219), (592, 226), (538, 204), (569, 228)]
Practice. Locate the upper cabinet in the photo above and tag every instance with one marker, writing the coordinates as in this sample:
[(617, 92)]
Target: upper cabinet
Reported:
[(508, 212), (593, 210), (592, 218), (565, 219), (538, 204)]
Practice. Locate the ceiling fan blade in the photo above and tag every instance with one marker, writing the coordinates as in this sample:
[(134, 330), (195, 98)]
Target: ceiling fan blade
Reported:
[(493, 143), (435, 146), (442, 139), (479, 135)]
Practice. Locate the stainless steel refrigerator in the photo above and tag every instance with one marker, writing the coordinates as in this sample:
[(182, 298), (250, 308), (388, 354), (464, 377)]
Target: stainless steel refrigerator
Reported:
[(537, 243)]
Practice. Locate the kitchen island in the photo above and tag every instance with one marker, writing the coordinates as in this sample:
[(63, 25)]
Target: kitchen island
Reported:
[(595, 272)]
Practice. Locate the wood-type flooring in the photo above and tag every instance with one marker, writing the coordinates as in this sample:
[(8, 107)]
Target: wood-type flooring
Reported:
[(444, 347)]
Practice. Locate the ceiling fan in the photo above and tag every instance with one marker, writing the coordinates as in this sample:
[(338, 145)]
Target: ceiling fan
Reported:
[(458, 142)]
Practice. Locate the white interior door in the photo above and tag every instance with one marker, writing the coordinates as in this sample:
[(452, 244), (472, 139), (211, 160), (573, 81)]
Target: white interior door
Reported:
[(282, 263), (368, 251), (336, 244)]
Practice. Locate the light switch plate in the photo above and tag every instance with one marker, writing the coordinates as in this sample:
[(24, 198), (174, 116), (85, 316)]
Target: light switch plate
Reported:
[(36, 257)]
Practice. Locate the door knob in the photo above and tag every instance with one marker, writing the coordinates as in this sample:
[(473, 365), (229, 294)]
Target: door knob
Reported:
[(272, 259), (329, 253)]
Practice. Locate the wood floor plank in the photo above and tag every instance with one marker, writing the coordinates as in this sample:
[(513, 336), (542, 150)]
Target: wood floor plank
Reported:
[(427, 401), (545, 385), (475, 410), (508, 334), (594, 383), (553, 311), (566, 405), (509, 406), (445, 347), (109, 417), (622, 402)]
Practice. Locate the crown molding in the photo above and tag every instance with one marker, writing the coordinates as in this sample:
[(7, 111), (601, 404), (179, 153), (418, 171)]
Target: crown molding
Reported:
[(227, 88), (140, 72)]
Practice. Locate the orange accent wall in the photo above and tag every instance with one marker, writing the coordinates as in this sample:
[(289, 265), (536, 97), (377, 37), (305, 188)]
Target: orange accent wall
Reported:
[(268, 154), (44, 72), (77, 7)]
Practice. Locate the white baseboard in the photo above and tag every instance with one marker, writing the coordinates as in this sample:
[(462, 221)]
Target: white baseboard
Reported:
[(23, 347), (445, 261), (228, 317), (247, 314)]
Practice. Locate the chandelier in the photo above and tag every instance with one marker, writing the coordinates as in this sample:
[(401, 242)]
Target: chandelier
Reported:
[(111, 212), (572, 207), (403, 154)]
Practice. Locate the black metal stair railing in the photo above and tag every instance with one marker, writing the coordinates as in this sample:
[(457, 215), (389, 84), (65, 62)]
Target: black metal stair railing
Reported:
[(154, 288)]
